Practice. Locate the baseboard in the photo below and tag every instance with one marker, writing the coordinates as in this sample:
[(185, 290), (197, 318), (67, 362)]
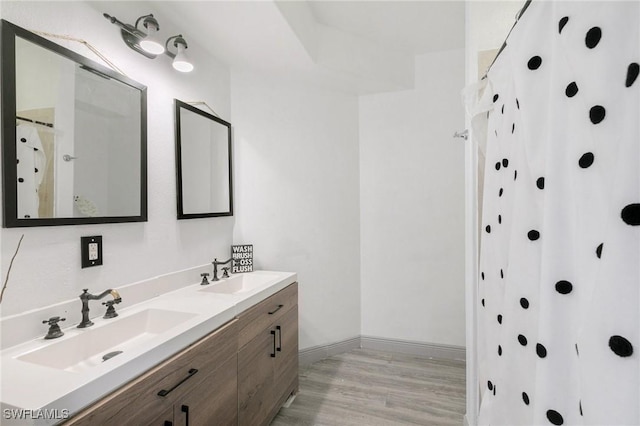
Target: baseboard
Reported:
[(317, 353), (427, 350)]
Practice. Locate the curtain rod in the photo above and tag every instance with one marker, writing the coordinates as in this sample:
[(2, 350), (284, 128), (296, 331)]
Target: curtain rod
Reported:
[(42, 123), (518, 16)]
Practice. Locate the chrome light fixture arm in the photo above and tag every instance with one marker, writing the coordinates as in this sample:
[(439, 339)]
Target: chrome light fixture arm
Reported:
[(146, 20), (177, 39), (134, 31)]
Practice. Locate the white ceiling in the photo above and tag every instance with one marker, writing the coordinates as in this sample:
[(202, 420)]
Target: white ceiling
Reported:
[(416, 26), (353, 46)]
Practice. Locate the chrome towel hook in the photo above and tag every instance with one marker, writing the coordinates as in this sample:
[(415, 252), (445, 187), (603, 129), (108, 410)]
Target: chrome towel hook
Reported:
[(463, 134)]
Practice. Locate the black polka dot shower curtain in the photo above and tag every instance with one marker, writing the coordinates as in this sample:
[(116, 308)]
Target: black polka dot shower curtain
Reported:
[(559, 285)]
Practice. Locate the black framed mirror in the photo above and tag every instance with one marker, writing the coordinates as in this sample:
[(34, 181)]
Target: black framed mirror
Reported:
[(203, 163), (74, 137)]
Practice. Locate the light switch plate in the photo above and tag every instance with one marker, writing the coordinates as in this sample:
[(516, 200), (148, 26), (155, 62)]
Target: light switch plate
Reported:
[(91, 251)]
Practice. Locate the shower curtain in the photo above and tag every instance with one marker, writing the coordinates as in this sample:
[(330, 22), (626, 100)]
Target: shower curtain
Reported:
[(559, 268)]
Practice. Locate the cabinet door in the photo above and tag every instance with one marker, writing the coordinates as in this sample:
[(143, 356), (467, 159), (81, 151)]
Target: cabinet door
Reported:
[(286, 360), (255, 379), (212, 401)]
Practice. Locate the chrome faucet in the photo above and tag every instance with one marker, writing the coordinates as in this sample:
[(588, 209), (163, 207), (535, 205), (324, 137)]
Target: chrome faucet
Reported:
[(85, 297), (215, 269)]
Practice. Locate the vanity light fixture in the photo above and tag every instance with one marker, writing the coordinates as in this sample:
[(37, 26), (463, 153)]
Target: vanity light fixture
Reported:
[(180, 60), (148, 43)]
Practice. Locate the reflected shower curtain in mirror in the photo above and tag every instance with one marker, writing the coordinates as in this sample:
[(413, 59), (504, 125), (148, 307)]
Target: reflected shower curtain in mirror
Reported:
[(559, 285), (30, 169)]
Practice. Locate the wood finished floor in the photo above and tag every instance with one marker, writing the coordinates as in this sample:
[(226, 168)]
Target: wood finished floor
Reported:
[(373, 388)]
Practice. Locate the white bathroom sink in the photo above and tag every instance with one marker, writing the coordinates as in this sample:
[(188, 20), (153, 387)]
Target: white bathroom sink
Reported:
[(91, 346), (242, 283)]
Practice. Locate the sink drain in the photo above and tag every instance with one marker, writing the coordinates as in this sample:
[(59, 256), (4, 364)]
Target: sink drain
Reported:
[(110, 355)]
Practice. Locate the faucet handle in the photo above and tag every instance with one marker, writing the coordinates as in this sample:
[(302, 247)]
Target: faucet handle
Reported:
[(111, 311), (225, 272), (204, 276), (54, 328), (53, 320)]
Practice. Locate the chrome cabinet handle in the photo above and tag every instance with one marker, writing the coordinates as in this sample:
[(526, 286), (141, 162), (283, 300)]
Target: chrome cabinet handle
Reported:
[(276, 309), (164, 392)]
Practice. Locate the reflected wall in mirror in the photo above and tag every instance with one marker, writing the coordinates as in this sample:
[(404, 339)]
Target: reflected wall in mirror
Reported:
[(73, 137), (203, 163)]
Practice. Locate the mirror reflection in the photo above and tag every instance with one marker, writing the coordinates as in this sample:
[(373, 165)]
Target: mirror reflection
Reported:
[(203, 163), (80, 138)]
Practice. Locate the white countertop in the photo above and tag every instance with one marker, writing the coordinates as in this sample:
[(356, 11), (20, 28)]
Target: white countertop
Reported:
[(44, 389)]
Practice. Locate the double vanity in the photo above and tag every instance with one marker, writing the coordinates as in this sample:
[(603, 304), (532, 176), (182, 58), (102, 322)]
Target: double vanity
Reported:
[(225, 353)]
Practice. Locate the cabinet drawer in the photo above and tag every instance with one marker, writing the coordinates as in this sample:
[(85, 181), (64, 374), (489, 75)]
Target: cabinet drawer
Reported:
[(137, 401), (255, 319)]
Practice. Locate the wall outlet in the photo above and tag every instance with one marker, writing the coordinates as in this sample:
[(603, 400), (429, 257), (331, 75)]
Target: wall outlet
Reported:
[(91, 251)]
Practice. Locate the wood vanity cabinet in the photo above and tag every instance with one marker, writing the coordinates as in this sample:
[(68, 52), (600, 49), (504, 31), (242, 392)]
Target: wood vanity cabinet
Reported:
[(240, 374), (199, 386), (268, 357)]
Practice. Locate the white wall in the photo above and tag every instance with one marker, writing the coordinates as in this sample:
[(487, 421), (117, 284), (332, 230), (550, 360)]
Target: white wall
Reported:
[(487, 26), (412, 206), (47, 269), (296, 180)]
